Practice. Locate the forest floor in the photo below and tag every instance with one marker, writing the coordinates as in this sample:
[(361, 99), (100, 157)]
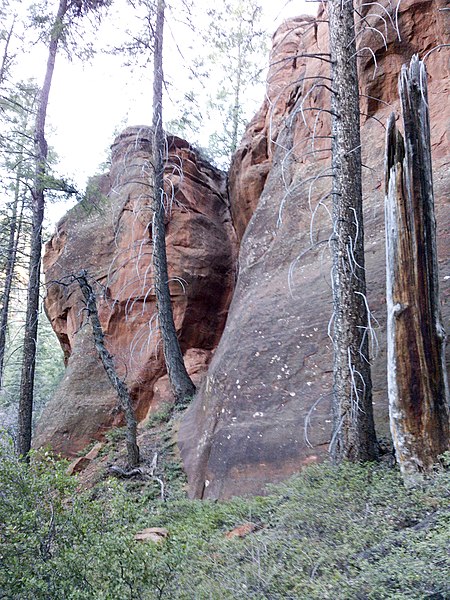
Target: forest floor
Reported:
[(338, 533)]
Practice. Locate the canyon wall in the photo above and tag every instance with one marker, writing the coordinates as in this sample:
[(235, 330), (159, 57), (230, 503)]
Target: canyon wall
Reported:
[(264, 408)]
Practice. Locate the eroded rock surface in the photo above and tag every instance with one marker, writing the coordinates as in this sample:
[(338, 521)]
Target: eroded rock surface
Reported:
[(264, 409), (110, 237)]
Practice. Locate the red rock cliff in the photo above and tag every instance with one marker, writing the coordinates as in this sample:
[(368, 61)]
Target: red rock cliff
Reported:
[(111, 237), (264, 409)]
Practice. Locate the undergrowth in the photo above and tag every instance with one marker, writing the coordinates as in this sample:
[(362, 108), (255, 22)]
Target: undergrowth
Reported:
[(348, 532)]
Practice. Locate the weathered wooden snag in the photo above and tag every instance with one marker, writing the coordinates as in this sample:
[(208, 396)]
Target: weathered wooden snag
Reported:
[(417, 379)]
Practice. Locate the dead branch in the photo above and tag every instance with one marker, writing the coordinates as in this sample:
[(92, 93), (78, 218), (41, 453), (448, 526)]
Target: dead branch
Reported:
[(108, 364)]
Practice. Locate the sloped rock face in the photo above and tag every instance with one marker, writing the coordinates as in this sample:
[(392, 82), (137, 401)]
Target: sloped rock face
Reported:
[(110, 237), (264, 410)]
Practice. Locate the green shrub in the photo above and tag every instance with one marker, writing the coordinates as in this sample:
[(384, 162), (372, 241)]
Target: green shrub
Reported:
[(118, 434), (162, 415), (352, 532)]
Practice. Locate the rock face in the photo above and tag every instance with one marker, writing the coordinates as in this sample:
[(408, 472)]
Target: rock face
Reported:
[(264, 408), (110, 237)]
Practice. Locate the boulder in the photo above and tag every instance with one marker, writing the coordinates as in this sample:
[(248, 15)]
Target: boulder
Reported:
[(157, 535), (242, 531)]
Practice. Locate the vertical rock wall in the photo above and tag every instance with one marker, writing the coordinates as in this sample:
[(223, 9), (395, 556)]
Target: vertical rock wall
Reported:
[(264, 409)]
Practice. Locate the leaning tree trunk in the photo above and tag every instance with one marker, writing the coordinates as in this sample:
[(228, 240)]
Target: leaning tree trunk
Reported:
[(181, 383), (353, 427), (108, 364), (38, 198), (417, 380)]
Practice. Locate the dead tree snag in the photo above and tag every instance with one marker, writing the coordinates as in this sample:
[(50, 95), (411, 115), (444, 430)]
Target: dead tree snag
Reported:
[(108, 364), (417, 380)]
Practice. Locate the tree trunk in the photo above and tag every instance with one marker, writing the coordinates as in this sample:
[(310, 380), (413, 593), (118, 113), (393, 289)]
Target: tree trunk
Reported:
[(108, 364), (237, 102), (417, 378), (15, 229), (182, 386), (353, 427), (38, 199)]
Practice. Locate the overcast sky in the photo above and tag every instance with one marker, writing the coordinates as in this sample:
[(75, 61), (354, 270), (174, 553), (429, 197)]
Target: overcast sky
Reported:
[(91, 102)]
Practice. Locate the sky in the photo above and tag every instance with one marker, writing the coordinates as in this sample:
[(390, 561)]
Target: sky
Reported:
[(91, 102)]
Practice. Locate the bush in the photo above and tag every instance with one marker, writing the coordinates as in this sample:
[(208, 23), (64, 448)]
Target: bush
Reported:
[(352, 532)]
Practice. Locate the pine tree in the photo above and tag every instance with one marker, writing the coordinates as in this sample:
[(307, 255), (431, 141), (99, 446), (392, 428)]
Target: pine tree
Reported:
[(16, 152), (66, 14), (226, 68), (353, 428), (238, 43), (182, 386)]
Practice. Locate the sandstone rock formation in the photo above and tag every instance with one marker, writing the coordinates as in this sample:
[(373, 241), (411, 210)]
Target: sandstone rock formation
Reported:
[(264, 408), (110, 237)]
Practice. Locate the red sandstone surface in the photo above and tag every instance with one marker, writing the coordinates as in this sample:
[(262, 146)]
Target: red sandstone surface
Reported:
[(264, 410), (110, 237)]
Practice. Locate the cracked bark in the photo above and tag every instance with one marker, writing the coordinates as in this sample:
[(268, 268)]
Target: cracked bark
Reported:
[(353, 426)]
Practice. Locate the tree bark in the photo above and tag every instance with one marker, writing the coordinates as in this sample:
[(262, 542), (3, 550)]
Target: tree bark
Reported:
[(181, 384), (108, 364), (417, 377), (237, 100), (38, 199), (353, 427), (15, 229)]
